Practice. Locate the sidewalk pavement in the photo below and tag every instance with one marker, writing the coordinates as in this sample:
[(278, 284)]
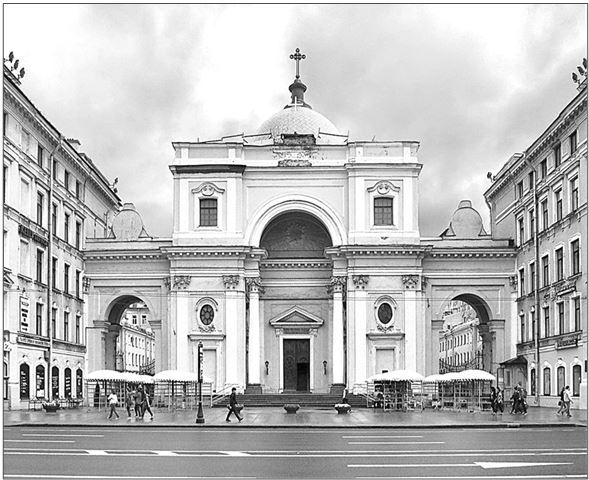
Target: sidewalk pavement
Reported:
[(276, 417)]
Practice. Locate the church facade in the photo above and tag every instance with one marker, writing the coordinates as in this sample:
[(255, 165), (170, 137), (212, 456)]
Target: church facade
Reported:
[(296, 259)]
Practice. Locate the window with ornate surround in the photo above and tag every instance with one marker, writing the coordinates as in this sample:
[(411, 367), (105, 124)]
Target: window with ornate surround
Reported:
[(384, 205), (208, 206), (206, 312), (384, 313)]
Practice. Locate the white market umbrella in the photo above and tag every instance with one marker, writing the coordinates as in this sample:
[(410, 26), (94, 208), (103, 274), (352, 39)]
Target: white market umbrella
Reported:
[(396, 376), (108, 375)]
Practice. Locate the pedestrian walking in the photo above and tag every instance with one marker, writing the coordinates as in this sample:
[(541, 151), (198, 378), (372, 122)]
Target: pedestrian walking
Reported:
[(147, 405), (113, 401), (232, 405), (561, 407), (500, 400), (515, 399), (493, 400), (567, 400), (523, 399), (138, 402), (129, 401)]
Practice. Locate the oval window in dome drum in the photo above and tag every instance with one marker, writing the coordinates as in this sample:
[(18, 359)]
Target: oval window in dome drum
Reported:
[(385, 313)]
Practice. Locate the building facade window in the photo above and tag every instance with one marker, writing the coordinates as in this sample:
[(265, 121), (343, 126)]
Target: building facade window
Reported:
[(522, 284), (522, 328), (545, 271), (576, 380), (54, 382), (54, 272), (560, 379), (40, 155), (66, 227), (67, 382), (561, 324), (575, 258), (208, 212), (207, 314), (40, 203), (24, 379), (532, 276), (546, 311), (66, 278), (78, 235), (24, 258), (520, 189), (544, 207), (78, 277), (577, 313), (39, 319), (533, 381), (544, 168), (54, 219), (6, 377), (559, 264), (78, 321), (533, 325), (385, 313), (54, 323), (520, 229), (531, 180), (55, 170), (532, 224), (547, 381), (558, 203), (66, 179), (66, 326), (78, 190), (574, 188), (573, 142), (557, 155), (383, 211), (79, 383), (39, 269)]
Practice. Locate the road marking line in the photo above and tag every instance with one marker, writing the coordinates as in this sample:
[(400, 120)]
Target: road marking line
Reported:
[(235, 454), (59, 435), (485, 477), (129, 477), (394, 443), (382, 436), (95, 452), (484, 465), (166, 453), (42, 441)]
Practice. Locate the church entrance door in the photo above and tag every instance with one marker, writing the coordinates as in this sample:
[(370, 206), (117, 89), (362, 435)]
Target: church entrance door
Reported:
[(296, 365)]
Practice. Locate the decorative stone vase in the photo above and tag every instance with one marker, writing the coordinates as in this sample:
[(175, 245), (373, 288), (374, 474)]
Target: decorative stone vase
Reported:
[(343, 408), (50, 407), (291, 407)]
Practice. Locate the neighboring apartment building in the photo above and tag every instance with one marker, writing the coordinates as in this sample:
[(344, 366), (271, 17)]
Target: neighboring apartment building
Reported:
[(539, 199), (461, 346), (136, 341), (45, 328)]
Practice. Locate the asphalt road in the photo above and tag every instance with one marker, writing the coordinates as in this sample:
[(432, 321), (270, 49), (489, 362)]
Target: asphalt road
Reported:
[(154, 453)]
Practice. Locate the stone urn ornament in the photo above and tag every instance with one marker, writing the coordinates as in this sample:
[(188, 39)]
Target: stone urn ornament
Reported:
[(291, 407), (343, 408)]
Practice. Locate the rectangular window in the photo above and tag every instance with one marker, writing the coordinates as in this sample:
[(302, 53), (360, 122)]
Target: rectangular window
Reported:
[(66, 278), (5, 181), (78, 190), (547, 381), (66, 326), (383, 211), (559, 265), (544, 206), (208, 212), (39, 319), (546, 311), (78, 276), (532, 224), (25, 200), (77, 328), (66, 227), (40, 255), (78, 235), (55, 170), (54, 219), (533, 325), (577, 313), (40, 156), (40, 202), (560, 308), (544, 168), (54, 323), (532, 276), (66, 180), (25, 261), (522, 328), (520, 189), (574, 186), (522, 285), (531, 180), (576, 380), (545, 271), (573, 142), (557, 155), (520, 229), (575, 258), (54, 272)]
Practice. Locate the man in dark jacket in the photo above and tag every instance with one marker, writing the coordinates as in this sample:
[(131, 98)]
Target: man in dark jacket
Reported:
[(232, 404)]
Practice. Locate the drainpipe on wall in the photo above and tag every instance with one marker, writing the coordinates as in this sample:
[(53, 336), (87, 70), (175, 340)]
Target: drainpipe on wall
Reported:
[(536, 283), (49, 266)]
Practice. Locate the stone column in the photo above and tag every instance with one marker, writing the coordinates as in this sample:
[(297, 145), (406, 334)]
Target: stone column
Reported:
[(254, 287), (337, 286), (234, 331), (410, 282), (360, 296), (183, 317)]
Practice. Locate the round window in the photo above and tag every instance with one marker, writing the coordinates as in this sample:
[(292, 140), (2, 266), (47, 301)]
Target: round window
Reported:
[(385, 313), (207, 314)]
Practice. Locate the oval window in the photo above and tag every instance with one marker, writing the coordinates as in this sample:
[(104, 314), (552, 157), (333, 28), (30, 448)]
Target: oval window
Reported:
[(207, 314), (385, 313)]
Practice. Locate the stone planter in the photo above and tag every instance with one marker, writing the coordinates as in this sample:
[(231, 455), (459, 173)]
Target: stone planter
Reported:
[(291, 407), (50, 408), (343, 408)]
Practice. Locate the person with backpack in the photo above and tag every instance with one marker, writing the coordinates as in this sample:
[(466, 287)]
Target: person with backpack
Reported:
[(113, 401)]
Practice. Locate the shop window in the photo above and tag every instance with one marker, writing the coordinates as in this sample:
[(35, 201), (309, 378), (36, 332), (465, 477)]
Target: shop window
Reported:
[(54, 382), (5, 371), (40, 381), (576, 380), (560, 379), (79, 384), (533, 381), (24, 381), (547, 381), (67, 377)]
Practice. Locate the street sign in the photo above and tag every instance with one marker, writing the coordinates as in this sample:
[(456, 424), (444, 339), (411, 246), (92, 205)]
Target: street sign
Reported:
[(24, 313)]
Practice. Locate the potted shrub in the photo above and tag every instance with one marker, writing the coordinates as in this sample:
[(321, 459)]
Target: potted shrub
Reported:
[(343, 408), (291, 407), (50, 407)]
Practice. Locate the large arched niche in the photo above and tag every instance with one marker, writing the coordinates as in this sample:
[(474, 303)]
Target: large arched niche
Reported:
[(295, 235)]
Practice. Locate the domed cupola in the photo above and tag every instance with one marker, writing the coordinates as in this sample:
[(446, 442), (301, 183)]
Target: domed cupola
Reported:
[(298, 117)]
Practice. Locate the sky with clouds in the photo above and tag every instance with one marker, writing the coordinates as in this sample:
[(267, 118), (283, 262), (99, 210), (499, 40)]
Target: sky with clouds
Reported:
[(473, 83)]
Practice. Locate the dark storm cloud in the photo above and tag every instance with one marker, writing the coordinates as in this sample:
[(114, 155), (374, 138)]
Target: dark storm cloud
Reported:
[(473, 84)]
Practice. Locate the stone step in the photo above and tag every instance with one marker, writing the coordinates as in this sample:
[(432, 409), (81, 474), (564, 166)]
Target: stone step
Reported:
[(303, 399)]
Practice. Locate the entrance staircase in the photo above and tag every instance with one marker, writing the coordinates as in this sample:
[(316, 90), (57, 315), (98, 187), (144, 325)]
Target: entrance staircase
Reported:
[(314, 400)]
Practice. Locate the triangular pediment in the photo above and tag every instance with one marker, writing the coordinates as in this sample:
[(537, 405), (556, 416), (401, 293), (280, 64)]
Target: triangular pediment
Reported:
[(296, 317)]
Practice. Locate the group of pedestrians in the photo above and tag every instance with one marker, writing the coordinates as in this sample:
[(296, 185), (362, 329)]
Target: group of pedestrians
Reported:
[(137, 401), (519, 400), (496, 400), (564, 404)]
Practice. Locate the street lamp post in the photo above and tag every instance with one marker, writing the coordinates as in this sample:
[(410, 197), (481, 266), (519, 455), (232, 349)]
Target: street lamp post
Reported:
[(200, 418)]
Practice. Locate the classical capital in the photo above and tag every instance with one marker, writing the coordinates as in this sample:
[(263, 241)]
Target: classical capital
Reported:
[(181, 282), (231, 281), (254, 285), (360, 281), (513, 283), (337, 284), (410, 281)]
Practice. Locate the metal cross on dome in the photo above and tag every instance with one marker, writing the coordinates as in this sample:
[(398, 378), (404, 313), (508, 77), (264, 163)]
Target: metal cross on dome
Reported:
[(297, 57)]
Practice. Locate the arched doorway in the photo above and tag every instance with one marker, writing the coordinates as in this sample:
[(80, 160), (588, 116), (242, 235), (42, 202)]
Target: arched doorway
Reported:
[(296, 305), (466, 341), (130, 340)]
